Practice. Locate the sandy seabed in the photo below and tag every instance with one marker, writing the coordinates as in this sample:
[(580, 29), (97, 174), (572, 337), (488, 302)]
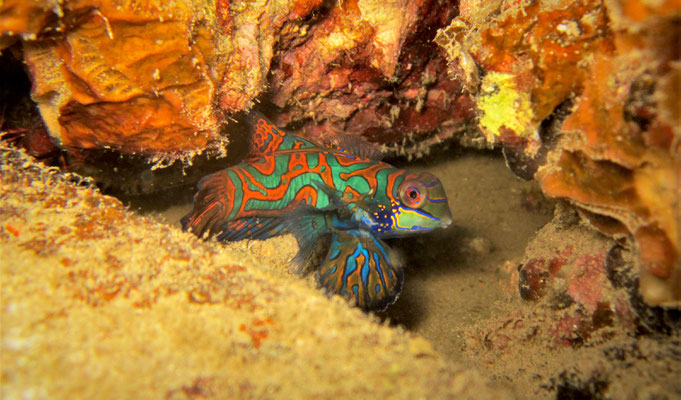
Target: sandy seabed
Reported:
[(103, 300)]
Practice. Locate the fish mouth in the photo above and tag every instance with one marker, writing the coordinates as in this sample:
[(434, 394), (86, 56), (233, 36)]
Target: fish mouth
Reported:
[(446, 221)]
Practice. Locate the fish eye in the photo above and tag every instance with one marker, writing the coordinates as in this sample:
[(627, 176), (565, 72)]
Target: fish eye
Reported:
[(412, 195)]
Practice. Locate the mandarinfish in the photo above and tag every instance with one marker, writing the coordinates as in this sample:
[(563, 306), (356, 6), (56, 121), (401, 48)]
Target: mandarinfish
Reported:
[(340, 193)]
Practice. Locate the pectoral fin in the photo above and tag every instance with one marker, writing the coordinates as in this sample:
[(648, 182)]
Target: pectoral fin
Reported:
[(358, 268), (357, 210)]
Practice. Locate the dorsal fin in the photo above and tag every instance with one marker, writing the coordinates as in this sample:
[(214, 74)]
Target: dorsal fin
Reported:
[(267, 138), (355, 145)]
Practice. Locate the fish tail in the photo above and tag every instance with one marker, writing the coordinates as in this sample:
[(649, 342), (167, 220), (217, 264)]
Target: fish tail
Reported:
[(211, 205)]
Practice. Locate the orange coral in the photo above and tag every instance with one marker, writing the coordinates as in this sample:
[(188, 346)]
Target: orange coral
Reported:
[(541, 47), (614, 151), (615, 127), (639, 11), (22, 18), (146, 77), (131, 76), (544, 47)]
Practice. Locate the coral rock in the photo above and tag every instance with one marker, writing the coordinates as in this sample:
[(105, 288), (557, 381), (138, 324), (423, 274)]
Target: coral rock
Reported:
[(147, 77), (533, 56), (23, 19), (370, 67), (253, 29), (580, 96), (132, 77), (158, 78), (615, 158), (566, 269)]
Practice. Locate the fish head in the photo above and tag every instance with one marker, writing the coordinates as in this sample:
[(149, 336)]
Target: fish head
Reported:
[(420, 205)]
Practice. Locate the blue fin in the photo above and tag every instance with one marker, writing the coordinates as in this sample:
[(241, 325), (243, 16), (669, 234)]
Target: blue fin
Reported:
[(358, 268)]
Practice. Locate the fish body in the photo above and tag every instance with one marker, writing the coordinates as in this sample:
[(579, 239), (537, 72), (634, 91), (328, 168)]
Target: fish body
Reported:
[(341, 194)]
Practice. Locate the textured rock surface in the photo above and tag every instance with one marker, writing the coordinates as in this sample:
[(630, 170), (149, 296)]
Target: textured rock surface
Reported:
[(146, 77), (157, 78), (578, 96), (98, 302), (23, 19), (132, 76), (583, 330), (370, 68)]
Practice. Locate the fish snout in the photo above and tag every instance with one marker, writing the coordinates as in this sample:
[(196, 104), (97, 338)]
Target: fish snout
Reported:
[(445, 221), (446, 216)]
